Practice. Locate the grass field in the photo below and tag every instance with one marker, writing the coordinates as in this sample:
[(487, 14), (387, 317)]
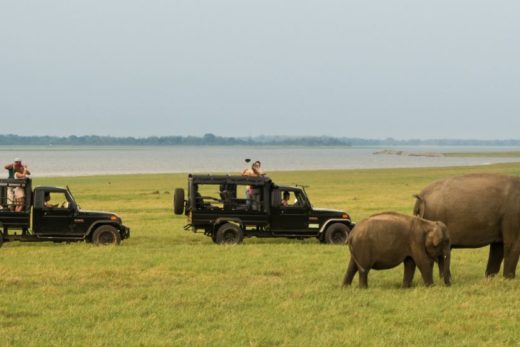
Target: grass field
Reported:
[(512, 154), (166, 286)]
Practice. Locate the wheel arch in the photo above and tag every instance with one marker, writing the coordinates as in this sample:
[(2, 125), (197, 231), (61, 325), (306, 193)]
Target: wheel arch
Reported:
[(221, 221), (331, 221), (97, 224)]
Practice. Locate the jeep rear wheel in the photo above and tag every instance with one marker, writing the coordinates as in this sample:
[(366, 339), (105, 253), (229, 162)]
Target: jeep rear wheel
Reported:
[(106, 235), (229, 234), (178, 201), (337, 234)]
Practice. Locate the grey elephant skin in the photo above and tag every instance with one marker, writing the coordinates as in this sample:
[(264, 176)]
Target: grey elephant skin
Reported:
[(479, 210), (385, 240)]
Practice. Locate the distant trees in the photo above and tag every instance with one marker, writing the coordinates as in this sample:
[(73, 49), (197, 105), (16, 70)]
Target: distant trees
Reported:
[(214, 140)]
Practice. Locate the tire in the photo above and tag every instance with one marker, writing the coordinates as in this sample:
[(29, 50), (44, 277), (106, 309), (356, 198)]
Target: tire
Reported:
[(229, 234), (336, 234), (106, 235), (178, 201)]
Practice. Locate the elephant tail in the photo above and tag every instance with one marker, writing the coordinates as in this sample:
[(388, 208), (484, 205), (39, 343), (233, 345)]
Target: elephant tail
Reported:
[(420, 205), (360, 268)]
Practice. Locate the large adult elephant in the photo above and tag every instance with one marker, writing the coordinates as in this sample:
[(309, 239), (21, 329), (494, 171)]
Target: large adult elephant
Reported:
[(479, 210)]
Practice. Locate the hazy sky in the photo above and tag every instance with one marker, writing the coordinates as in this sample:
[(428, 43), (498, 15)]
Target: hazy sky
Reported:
[(403, 69)]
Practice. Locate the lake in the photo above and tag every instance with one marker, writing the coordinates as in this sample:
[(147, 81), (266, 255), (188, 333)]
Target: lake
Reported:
[(78, 161)]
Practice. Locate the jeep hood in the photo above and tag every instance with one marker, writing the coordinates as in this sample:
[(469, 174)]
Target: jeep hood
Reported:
[(325, 211), (98, 213)]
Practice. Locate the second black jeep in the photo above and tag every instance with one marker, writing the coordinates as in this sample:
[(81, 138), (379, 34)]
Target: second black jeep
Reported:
[(38, 218), (229, 208)]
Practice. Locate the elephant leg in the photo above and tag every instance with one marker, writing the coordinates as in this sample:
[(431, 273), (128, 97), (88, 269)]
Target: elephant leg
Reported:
[(363, 279), (409, 271), (511, 240), (426, 269), (440, 263), (496, 255), (351, 271), (511, 254), (444, 270)]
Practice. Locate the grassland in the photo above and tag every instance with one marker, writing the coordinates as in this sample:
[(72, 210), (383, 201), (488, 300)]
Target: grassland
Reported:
[(166, 286), (512, 154)]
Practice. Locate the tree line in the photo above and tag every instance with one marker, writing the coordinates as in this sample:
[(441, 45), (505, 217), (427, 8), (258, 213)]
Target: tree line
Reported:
[(214, 140)]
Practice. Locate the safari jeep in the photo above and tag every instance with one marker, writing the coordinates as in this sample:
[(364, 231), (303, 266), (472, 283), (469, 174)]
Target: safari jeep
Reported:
[(52, 214), (229, 208)]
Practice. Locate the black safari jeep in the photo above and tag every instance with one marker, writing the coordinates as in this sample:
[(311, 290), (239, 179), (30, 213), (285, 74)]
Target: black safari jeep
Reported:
[(229, 208), (55, 216)]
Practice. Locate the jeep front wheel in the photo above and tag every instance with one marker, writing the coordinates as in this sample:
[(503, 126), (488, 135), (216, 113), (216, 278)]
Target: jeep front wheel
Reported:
[(336, 234), (106, 235), (229, 234)]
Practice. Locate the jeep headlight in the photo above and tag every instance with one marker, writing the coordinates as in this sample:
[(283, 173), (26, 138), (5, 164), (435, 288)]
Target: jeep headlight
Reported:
[(115, 218)]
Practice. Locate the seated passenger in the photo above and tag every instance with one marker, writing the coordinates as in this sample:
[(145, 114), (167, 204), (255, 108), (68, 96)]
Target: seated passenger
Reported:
[(286, 197), (46, 199)]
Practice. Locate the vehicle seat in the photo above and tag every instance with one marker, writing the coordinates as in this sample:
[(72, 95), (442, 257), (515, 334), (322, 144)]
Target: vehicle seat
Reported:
[(199, 202)]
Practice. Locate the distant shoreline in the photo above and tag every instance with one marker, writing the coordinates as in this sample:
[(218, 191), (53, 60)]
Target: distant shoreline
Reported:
[(277, 172), (488, 154), (85, 160), (214, 140)]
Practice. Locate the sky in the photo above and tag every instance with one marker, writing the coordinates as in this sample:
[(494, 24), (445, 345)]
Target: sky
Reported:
[(370, 69)]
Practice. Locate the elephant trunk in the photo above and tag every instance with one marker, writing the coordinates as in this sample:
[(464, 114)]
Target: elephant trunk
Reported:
[(446, 273)]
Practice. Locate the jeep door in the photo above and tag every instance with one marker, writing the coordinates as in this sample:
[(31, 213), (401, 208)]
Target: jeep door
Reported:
[(54, 213), (290, 215)]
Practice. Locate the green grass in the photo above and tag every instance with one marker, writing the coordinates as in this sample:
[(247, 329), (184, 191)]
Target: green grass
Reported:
[(513, 154), (166, 286)]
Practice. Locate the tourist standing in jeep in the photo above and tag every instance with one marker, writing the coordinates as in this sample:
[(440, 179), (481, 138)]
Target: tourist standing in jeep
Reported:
[(252, 194), (15, 196), (255, 170), (16, 166)]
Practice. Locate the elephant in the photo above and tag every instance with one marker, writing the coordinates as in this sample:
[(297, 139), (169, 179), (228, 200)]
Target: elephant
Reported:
[(479, 210), (383, 241)]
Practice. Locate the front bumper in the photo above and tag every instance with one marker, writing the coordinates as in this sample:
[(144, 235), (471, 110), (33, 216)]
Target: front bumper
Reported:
[(125, 232)]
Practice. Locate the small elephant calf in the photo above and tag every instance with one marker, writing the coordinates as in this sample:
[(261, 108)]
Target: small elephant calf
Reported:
[(385, 240)]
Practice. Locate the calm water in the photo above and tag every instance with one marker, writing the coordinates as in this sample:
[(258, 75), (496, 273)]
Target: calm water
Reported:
[(74, 161)]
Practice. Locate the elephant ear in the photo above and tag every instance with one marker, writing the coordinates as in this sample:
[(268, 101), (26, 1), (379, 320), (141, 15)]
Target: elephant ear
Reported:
[(434, 236)]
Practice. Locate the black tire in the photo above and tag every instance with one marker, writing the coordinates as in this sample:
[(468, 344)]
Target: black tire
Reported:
[(336, 234), (178, 201), (106, 235), (229, 234)]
